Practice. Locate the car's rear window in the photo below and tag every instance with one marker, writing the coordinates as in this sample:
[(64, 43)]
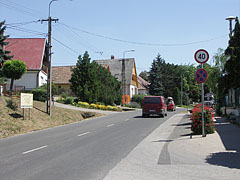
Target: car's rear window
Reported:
[(152, 100)]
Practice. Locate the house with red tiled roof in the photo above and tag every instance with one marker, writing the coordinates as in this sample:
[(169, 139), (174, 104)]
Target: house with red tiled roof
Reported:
[(32, 51), (61, 76)]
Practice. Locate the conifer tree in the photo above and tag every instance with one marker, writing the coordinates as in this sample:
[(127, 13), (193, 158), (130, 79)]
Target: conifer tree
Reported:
[(156, 77), (232, 66), (3, 53), (83, 80)]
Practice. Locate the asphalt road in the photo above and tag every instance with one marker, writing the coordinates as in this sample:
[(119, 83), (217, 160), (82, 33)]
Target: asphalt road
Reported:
[(86, 150)]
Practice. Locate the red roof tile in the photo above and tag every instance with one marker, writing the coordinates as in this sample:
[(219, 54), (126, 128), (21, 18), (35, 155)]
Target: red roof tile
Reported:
[(29, 50)]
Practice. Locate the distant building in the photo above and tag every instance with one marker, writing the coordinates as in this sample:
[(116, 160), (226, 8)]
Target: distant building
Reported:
[(116, 69), (143, 86)]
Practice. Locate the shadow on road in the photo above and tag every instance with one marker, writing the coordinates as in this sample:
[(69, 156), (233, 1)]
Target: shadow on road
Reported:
[(229, 135)]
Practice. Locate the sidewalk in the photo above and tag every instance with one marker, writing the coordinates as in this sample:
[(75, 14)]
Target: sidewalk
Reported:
[(169, 153)]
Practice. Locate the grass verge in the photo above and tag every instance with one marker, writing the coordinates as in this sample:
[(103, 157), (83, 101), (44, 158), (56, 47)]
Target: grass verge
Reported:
[(12, 122)]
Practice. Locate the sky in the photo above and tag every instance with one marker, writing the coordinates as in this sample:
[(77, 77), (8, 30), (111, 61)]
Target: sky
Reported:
[(175, 29)]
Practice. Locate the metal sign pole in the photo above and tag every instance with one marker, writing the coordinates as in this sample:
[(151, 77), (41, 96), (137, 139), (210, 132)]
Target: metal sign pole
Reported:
[(203, 123)]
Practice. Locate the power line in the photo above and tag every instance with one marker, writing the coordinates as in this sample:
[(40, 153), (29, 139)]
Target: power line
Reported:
[(143, 43), (65, 46), (27, 30), (20, 8)]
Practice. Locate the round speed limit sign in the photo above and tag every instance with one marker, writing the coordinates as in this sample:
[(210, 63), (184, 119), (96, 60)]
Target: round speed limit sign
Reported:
[(201, 56)]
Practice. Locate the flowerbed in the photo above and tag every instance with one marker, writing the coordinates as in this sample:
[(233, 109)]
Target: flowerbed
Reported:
[(196, 120), (96, 106)]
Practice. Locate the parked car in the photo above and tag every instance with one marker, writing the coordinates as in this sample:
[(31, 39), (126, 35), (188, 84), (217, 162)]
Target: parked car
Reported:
[(170, 104), (154, 105)]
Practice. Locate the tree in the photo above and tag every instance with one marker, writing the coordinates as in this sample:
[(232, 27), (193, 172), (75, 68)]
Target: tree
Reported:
[(93, 83), (14, 69), (3, 53), (144, 75), (83, 80), (156, 86), (232, 66)]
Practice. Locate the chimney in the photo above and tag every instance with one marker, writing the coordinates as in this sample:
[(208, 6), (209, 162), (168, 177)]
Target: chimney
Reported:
[(112, 57)]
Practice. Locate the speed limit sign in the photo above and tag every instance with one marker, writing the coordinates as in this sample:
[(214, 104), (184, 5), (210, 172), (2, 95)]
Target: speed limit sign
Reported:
[(201, 56)]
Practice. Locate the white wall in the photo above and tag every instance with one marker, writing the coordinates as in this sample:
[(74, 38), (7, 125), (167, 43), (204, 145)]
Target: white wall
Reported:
[(31, 80), (42, 78), (133, 91)]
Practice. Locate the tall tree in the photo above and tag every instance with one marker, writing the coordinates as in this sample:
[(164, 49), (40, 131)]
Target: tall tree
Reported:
[(156, 77), (93, 83), (4, 55), (232, 66), (14, 69), (83, 80)]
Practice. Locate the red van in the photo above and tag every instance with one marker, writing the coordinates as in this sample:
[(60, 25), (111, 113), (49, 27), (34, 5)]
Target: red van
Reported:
[(154, 105)]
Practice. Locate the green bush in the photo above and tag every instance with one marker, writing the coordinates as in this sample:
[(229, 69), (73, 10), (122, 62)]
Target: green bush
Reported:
[(12, 105), (39, 94), (138, 98), (69, 100)]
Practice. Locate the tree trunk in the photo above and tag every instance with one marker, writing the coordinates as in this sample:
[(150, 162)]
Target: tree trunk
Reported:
[(11, 87)]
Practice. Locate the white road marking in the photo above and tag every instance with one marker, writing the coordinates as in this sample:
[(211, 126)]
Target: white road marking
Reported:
[(32, 150), (110, 125), (83, 134), (126, 120)]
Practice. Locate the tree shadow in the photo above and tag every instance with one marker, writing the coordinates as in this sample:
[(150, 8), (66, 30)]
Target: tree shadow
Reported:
[(16, 115), (226, 159), (229, 135)]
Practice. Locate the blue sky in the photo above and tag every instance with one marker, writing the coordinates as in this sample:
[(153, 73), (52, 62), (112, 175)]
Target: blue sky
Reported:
[(173, 28)]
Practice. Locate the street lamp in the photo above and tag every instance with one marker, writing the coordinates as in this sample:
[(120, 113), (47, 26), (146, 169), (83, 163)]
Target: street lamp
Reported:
[(124, 89), (49, 80), (230, 19)]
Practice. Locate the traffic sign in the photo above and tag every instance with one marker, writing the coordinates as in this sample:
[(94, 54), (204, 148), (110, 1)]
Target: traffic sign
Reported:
[(201, 56), (201, 75)]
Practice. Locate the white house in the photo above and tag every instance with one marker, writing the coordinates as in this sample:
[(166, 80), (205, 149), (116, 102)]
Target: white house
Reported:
[(32, 51)]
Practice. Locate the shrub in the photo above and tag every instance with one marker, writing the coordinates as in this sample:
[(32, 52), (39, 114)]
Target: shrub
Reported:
[(83, 104), (39, 94), (133, 105), (138, 98), (92, 106), (12, 105), (69, 100), (196, 124)]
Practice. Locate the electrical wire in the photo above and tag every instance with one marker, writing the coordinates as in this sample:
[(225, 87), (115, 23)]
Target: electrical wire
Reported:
[(143, 43), (24, 10), (27, 30), (66, 46)]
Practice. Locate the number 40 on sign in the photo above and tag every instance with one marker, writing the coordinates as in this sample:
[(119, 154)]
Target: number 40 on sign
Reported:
[(201, 56)]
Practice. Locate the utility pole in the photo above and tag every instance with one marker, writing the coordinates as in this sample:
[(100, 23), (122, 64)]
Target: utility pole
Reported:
[(49, 53), (124, 85)]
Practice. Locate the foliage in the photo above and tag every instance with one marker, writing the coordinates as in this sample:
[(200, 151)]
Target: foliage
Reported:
[(156, 86), (232, 65), (138, 98), (69, 100), (14, 69), (11, 104), (40, 93), (133, 105), (93, 83), (144, 75), (196, 124), (4, 55)]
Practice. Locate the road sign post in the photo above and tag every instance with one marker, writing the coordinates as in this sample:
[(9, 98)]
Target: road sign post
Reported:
[(201, 56)]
